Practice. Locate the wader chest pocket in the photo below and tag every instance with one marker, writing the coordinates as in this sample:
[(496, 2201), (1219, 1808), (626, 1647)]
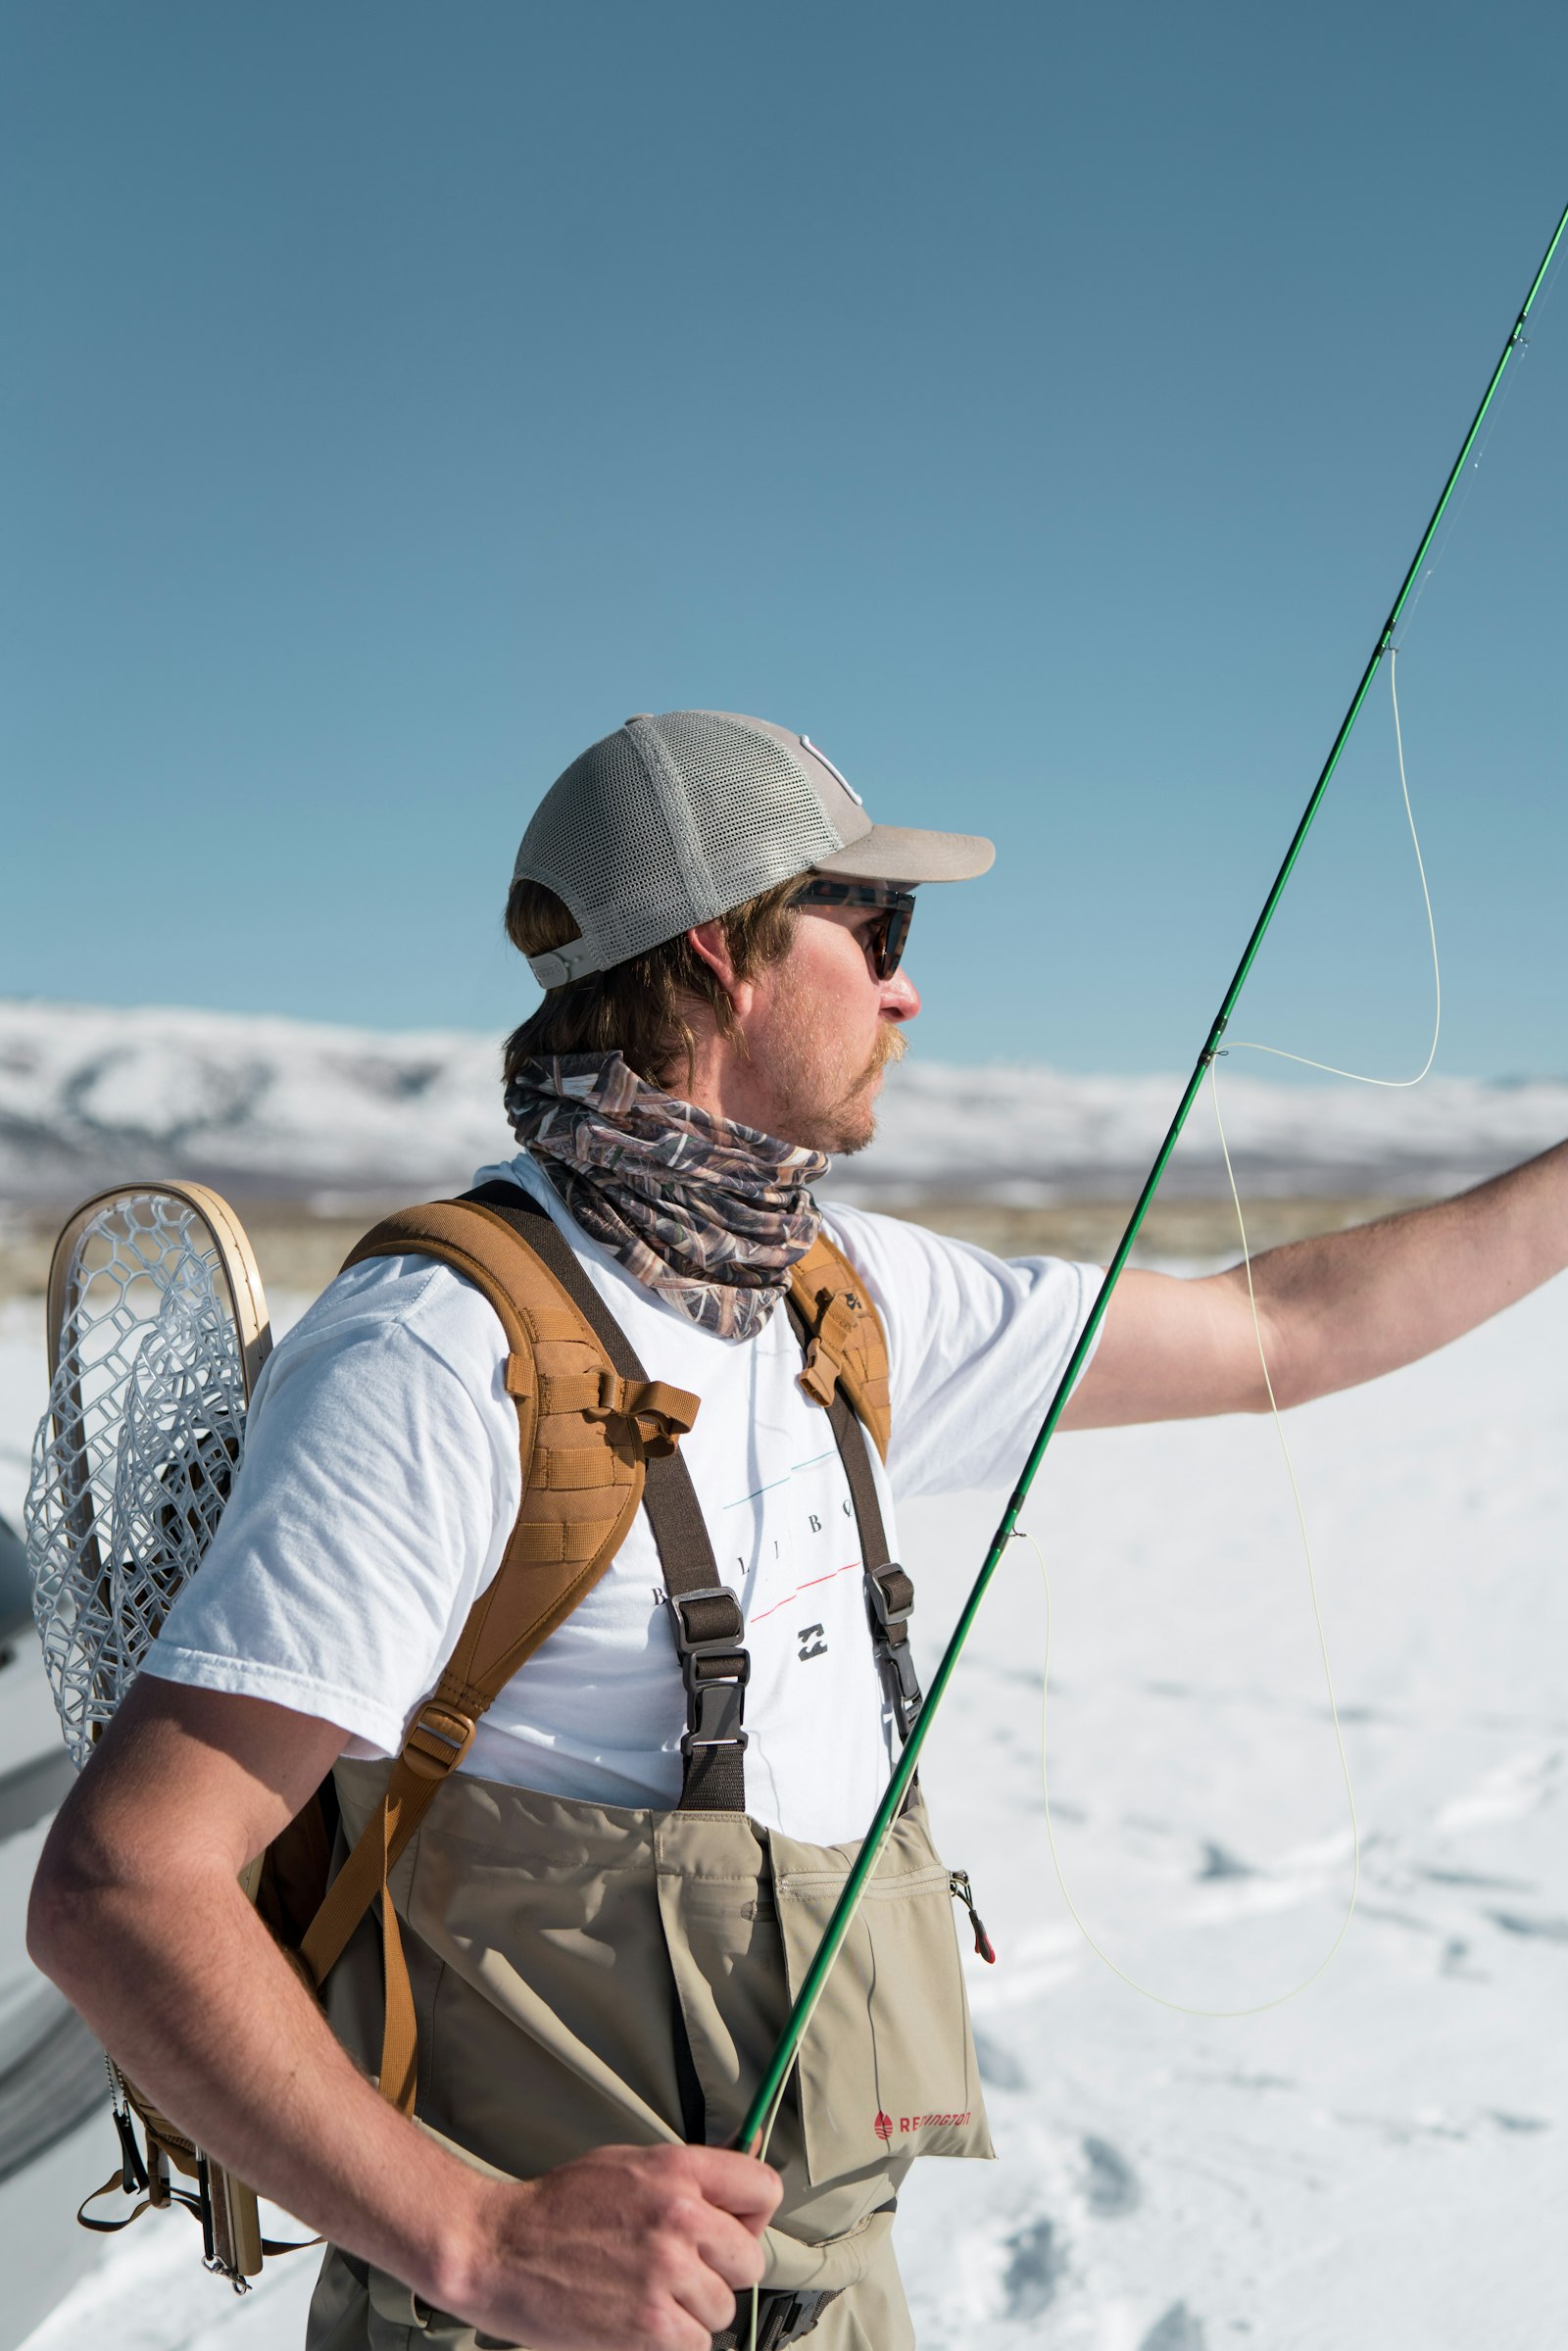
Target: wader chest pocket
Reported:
[(888, 2063)]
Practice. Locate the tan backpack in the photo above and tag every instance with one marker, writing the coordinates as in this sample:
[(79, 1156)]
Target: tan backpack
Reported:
[(598, 1438)]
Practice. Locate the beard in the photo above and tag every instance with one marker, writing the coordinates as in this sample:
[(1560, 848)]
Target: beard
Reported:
[(837, 1117)]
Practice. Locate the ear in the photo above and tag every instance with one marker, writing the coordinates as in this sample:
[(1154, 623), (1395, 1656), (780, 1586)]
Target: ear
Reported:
[(709, 941)]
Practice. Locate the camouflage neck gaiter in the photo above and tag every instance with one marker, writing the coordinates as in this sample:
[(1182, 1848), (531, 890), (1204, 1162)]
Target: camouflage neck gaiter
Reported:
[(708, 1214)]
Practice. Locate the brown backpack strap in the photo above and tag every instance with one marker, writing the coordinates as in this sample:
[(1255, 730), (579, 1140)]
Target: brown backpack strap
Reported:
[(705, 1615), (585, 1437), (597, 1438), (845, 1341)]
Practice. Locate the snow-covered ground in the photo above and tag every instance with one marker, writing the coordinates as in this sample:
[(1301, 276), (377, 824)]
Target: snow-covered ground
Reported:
[(1375, 2165), (89, 1096)]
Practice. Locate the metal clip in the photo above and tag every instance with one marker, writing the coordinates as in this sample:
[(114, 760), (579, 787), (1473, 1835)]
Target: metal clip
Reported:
[(958, 1883)]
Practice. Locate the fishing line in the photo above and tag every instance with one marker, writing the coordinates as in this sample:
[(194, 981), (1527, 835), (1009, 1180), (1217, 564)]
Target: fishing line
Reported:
[(838, 1925), (1359, 1077), (1248, 1044)]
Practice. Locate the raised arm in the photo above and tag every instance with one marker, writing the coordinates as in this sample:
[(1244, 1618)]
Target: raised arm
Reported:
[(1335, 1311), (139, 1917)]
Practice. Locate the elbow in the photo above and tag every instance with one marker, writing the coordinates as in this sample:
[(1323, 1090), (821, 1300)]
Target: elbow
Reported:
[(59, 1920), (1282, 1392), (1285, 1370), (67, 1922)]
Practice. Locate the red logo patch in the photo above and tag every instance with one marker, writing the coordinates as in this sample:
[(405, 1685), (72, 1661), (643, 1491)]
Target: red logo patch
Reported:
[(883, 2127)]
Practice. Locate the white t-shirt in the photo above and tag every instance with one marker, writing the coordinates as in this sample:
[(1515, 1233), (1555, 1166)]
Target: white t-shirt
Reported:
[(381, 1478)]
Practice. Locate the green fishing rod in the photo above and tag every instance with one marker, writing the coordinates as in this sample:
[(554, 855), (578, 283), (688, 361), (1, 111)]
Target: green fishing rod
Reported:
[(772, 2083)]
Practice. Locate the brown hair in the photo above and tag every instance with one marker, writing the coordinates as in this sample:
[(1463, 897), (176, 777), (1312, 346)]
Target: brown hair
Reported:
[(638, 1007)]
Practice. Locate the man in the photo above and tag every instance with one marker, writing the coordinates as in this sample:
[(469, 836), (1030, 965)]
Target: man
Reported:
[(718, 927)]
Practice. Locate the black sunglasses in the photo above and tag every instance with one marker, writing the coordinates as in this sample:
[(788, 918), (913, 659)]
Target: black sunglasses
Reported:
[(886, 941)]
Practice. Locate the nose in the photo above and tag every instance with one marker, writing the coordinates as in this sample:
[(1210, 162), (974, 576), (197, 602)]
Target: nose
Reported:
[(900, 998)]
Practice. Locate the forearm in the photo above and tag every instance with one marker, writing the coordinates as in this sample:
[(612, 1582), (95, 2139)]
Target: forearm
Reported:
[(1348, 1306), (137, 1915), (1334, 1311), (188, 1992)]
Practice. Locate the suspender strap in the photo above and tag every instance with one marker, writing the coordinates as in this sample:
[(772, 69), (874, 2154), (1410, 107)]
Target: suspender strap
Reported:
[(704, 1616), (889, 1590)]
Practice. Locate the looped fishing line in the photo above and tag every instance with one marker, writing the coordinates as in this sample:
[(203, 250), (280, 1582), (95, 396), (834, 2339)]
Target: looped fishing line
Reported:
[(759, 2145), (760, 2111), (1359, 1077), (1246, 1045)]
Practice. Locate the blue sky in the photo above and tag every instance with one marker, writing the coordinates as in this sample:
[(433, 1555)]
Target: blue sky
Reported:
[(1037, 407)]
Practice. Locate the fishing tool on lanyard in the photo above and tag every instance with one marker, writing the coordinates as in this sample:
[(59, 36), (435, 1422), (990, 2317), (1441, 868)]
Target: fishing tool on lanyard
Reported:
[(770, 2090)]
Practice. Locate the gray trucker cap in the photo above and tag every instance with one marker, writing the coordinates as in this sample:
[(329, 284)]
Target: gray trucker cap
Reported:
[(672, 820)]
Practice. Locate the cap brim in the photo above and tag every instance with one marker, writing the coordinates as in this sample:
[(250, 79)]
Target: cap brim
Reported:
[(898, 852)]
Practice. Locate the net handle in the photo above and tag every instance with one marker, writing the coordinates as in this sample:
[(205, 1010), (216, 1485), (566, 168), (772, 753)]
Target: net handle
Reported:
[(236, 1260), (237, 2222)]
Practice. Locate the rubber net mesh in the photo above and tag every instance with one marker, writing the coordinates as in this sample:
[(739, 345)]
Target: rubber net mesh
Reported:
[(134, 1458)]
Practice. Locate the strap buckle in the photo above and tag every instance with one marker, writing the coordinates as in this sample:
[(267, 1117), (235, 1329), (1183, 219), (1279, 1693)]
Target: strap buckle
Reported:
[(892, 1593), (717, 1717), (439, 1738), (709, 1631), (708, 1626), (649, 1416), (890, 1601), (790, 2317), (837, 1314)]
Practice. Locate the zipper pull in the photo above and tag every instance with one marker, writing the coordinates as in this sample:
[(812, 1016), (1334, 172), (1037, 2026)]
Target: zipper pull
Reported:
[(958, 1883)]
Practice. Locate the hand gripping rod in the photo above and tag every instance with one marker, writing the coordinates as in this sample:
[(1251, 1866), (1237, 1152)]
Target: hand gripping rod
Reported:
[(838, 1925)]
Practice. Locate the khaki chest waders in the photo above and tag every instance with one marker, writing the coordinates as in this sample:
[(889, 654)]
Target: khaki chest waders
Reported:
[(548, 1975)]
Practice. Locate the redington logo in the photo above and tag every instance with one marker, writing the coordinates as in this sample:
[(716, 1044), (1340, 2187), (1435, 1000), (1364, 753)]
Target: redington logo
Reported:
[(907, 2124)]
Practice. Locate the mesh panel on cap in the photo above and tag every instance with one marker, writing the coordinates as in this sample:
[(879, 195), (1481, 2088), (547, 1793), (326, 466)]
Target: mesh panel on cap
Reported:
[(756, 813), (669, 822), (601, 840)]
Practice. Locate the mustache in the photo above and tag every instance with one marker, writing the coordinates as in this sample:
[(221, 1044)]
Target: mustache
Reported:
[(891, 1046)]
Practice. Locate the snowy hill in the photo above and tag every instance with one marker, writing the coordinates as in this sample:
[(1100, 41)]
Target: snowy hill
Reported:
[(275, 1108)]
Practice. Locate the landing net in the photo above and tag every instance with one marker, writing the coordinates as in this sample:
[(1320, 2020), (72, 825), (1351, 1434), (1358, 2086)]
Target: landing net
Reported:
[(135, 1455)]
